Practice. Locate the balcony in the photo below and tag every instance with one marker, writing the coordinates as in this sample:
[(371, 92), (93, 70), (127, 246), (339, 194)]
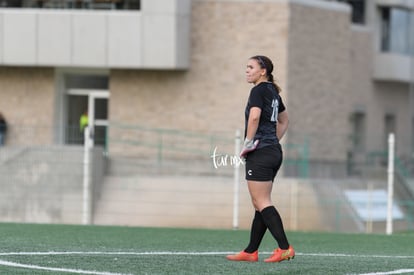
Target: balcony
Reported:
[(157, 36), (394, 60), (393, 67)]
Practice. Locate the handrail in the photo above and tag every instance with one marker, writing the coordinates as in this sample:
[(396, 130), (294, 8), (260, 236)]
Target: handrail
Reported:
[(302, 162), (400, 167), (169, 140), (177, 140)]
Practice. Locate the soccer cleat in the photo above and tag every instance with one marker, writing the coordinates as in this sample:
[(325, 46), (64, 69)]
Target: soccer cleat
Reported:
[(244, 256), (281, 255)]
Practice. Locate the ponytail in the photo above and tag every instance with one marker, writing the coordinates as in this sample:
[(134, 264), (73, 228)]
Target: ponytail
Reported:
[(271, 79), (266, 63)]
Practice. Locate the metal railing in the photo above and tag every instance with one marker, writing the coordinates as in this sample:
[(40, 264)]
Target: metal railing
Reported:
[(161, 144)]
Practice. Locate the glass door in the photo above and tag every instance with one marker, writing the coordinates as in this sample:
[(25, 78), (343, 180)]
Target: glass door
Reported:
[(98, 114), (87, 108)]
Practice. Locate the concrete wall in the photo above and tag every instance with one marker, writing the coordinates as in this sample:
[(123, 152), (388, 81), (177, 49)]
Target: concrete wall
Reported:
[(200, 202), (27, 102), (44, 184), (31, 191), (318, 72)]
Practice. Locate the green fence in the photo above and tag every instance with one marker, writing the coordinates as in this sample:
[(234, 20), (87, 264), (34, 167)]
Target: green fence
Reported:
[(163, 144), (297, 156)]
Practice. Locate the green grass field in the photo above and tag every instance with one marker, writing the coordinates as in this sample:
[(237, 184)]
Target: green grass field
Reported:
[(67, 249)]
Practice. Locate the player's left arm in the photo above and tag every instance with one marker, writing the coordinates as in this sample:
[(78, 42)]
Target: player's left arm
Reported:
[(282, 124)]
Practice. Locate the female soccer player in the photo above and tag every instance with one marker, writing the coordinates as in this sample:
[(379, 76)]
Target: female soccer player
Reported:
[(266, 123)]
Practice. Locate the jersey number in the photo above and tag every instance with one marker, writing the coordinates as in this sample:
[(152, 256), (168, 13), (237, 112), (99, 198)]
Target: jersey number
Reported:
[(275, 106)]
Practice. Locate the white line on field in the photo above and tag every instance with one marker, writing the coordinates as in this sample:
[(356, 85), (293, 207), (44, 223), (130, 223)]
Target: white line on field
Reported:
[(78, 271), (356, 255), (172, 253), (398, 271), (188, 253)]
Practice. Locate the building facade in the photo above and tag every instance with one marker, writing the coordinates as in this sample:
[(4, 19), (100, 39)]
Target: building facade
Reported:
[(179, 64)]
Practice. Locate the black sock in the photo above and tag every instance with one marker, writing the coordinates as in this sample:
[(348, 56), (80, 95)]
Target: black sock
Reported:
[(256, 233), (274, 223)]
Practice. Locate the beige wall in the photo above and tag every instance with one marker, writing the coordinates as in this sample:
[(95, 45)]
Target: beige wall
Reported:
[(27, 102), (361, 87), (390, 98), (211, 96), (318, 78)]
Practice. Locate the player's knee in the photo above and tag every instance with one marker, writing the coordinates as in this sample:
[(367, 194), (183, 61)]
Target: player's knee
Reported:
[(259, 205)]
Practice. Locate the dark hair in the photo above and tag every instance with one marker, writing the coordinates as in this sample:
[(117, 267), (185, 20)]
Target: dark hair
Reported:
[(266, 63)]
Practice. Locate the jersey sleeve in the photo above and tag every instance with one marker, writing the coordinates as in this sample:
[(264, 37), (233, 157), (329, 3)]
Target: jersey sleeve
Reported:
[(256, 99), (281, 105)]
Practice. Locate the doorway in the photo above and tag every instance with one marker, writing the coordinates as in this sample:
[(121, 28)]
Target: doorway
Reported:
[(93, 103)]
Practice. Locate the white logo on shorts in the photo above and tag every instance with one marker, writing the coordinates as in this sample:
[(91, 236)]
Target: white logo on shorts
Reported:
[(250, 172)]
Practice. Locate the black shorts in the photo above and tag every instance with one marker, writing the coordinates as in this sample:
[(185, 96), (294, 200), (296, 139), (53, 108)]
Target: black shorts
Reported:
[(262, 164)]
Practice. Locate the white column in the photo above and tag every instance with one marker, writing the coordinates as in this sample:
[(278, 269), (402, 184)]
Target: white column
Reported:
[(391, 145), (86, 203), (236, 187)]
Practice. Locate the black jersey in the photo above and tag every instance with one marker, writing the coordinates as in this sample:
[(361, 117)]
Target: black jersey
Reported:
[(265, 97)]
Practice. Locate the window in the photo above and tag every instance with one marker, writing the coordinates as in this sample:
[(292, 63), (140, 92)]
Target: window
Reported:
[(358, 134), (358, 10), (74, 4), (395, 30), (390, 126)]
